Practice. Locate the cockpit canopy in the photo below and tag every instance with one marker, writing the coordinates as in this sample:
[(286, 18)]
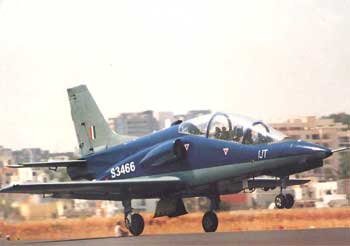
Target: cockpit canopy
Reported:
[(231, 127)]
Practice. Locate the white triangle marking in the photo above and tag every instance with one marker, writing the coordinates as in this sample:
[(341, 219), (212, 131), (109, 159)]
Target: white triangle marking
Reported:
[(225, 151)]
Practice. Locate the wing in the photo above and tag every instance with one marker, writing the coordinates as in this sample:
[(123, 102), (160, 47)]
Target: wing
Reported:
[(101, 190), (53, 164), (226, 187)]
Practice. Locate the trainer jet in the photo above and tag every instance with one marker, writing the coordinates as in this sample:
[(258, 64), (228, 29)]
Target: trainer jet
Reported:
[(209, 156)]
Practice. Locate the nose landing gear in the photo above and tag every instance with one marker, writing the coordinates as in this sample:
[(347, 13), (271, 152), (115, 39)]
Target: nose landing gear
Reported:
[(284, 200)]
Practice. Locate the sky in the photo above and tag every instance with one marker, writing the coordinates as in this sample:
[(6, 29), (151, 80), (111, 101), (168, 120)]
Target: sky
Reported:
[(265, 59)]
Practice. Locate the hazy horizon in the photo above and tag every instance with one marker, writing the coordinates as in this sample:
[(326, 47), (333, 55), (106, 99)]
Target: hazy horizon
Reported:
[(265, 59)]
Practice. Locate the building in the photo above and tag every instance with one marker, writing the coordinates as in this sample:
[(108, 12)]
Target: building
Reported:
[(23, 206), (83, 208), (28, 174), (344, 187), (6, 174), (40, 211), (164, 119), (62, 156), (179, 117), (196, 113), (191, 114), (30, 155), (320, 131), (325, 194), (135, 124), (6, 156), (111, 208)]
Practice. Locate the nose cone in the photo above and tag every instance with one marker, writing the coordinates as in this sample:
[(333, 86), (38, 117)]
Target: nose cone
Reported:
[(315, 150)]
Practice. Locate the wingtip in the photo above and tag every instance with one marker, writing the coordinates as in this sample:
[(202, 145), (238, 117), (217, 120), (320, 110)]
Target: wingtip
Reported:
[(15, 166), (5, 189)]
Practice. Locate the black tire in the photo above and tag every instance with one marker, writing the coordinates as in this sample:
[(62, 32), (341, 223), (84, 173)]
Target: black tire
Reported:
[(136, 225), (280, 201), (210, 222), (289, 201)]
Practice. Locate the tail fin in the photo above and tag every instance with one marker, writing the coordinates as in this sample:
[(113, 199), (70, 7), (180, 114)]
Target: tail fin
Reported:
[(92, 130)]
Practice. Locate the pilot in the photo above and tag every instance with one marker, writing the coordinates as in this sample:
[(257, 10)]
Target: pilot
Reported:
[(248, 137), (225, 135), (238, 134), (217, 134), (263, 139)]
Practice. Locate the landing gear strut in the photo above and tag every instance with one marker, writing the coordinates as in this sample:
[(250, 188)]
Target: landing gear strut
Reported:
[(210, 220), (284, 200), (133, 221)]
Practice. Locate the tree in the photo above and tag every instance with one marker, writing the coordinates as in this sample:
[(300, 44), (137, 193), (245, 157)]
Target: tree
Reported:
[(341, 118)]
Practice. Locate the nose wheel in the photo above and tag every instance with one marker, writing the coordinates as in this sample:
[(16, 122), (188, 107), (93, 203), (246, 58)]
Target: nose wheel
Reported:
[(210, 221), (280, 201), (284, 201), (289, 201)]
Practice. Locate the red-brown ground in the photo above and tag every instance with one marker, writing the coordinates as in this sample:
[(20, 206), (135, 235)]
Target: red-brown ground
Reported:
[(229, 221)]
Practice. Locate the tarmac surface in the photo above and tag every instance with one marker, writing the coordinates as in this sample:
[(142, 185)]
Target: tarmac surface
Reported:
[(336, 236)]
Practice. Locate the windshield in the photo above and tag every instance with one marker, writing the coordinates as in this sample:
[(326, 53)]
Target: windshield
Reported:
[(231, 127)]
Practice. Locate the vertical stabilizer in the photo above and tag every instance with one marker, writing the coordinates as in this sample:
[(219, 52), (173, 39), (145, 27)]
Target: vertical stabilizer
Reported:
[(92, 130)]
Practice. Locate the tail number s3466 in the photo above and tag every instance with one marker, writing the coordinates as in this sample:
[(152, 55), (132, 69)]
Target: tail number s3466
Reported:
[(123, 169)]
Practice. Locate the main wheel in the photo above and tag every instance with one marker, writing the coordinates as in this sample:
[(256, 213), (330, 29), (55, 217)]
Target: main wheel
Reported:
[(289, 201), (210, 221), (280, 201), (135, 224)]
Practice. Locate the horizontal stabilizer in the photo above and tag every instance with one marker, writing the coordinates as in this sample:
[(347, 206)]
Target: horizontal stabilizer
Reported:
[(53, 164)]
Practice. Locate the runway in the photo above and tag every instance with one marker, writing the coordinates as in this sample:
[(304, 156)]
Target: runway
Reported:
[(337, 236)]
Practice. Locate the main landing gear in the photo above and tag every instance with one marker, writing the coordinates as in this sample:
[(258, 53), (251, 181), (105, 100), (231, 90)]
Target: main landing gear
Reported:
[(284, 200), (210, 220), (133, 221)]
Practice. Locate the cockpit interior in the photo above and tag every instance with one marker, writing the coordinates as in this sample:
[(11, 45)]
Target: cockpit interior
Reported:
[(230, 127)]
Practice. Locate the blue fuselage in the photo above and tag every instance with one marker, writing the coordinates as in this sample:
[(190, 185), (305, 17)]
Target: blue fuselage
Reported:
[(207, 160)]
